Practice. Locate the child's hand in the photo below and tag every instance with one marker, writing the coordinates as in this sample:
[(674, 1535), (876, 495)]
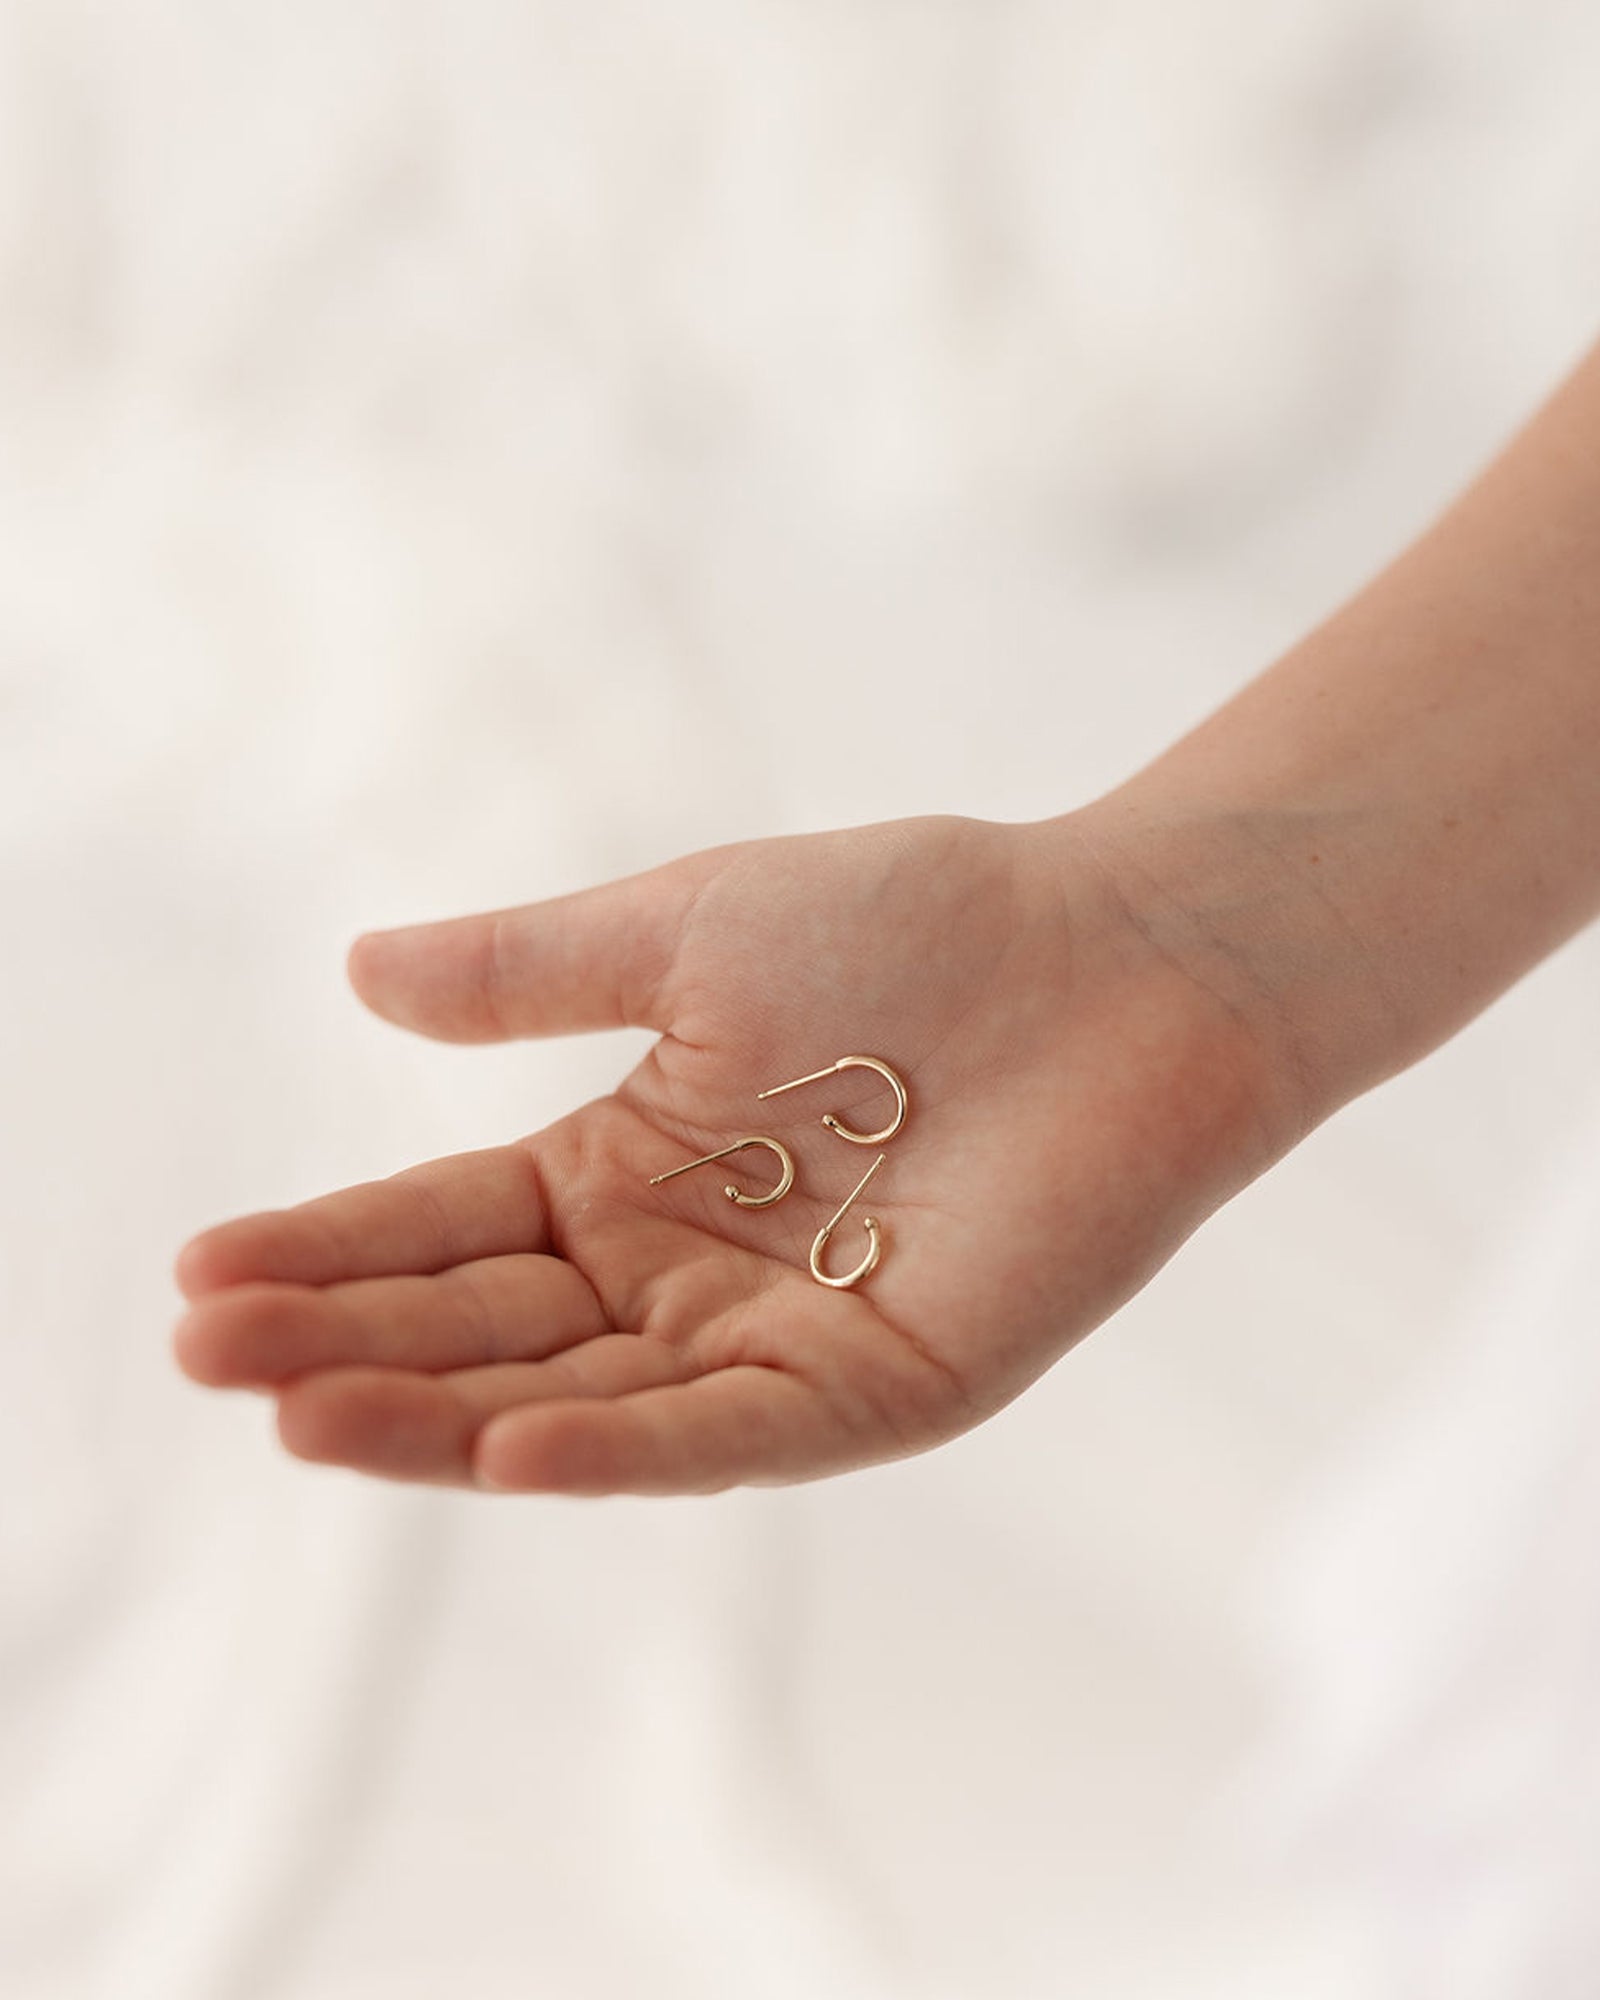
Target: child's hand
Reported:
[(538, 1316)]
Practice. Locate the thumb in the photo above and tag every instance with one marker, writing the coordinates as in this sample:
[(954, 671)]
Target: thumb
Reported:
[(600, 958)]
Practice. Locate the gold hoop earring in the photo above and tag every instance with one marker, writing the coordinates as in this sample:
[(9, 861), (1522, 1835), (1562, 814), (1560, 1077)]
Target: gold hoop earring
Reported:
[(869, 1223), (901, 1104), (785, 1182)]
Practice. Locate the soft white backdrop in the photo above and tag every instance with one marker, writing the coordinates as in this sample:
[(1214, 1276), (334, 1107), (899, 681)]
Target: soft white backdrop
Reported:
[(450, 454)]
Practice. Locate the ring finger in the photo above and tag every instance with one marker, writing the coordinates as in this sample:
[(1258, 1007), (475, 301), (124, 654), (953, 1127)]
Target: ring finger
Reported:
[(521, 1307)]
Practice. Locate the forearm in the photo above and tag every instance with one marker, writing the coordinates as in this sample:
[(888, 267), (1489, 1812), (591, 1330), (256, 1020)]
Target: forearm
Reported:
[(1400, 817)]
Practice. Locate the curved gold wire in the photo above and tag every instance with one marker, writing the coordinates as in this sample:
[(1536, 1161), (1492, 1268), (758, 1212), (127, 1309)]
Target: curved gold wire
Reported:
[(901, 1103), (869, 1223), (785, 1161)]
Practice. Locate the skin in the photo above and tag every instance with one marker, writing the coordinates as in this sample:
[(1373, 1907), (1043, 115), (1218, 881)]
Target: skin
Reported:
[(1108, 1024)]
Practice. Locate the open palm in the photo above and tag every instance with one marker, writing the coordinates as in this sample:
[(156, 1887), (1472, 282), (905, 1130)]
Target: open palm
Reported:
[(538, 1316)]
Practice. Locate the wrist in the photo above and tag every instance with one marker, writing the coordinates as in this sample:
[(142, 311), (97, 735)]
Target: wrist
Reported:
[(1242, 902)]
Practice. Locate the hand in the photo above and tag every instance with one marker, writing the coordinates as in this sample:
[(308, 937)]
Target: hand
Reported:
[(537, 1316)]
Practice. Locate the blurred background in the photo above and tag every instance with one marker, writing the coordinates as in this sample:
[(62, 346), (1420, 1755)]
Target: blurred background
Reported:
[(453, 454)]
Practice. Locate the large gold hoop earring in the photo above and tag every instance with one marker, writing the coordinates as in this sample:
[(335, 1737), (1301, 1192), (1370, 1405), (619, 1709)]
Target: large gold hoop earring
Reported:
[(901, 1103), (869, 1223), (785, 1162)]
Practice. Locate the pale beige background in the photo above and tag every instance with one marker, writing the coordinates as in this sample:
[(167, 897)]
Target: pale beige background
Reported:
[(449, 454)]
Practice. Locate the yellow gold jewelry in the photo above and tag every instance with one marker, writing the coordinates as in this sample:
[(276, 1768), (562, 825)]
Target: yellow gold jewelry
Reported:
[(901, 1106), (785, 1161), (869, 1223)]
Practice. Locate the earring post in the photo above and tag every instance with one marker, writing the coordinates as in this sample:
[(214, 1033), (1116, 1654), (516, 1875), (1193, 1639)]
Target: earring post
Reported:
[(816, 1076), (839, 1214), (704, 1161)]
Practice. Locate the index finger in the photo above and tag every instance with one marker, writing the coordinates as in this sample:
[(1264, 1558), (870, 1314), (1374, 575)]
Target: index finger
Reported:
[(485, 1203)]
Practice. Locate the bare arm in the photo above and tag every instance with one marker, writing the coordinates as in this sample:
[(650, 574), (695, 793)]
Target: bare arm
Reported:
[(1390, 825)]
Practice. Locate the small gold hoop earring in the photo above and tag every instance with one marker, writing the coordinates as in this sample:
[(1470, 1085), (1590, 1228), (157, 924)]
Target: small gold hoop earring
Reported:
[(785, 1161), (901, 1105), (869, 1223)]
